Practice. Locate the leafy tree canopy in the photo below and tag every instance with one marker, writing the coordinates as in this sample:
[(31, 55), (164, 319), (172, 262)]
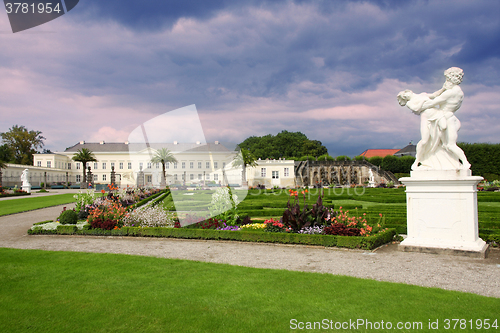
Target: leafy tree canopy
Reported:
[(283, 145), (6, 154), (22, 144)]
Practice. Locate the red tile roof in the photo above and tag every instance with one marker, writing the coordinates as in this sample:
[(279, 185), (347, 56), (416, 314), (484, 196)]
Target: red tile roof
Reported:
[(378, 152)]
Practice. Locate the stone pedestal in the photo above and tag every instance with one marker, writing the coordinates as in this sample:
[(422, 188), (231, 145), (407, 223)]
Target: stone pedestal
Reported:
[(26, 188), (140, 179), (442, 213)]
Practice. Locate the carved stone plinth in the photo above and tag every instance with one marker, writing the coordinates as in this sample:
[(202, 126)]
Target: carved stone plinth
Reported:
[(26, 188), (442, 213)]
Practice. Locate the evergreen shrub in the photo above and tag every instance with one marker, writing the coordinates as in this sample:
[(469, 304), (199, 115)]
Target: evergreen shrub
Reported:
[(68, 217)]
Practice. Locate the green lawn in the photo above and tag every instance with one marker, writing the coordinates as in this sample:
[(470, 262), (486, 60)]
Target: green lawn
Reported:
[(25, 204), (44, 291)]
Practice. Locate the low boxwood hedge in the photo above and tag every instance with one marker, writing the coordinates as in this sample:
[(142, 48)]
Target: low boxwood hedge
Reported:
[(148, 199), (367, 243)]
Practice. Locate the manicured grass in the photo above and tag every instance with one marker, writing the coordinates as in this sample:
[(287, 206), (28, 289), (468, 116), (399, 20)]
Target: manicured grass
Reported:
[(25, 204), (44, 291)]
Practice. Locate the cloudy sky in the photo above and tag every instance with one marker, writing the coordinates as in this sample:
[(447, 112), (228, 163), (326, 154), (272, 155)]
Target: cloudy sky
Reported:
[(329, 69)]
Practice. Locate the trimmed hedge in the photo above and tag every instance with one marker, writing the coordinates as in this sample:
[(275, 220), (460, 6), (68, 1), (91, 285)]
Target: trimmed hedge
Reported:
[(148, 199), (367, 243)]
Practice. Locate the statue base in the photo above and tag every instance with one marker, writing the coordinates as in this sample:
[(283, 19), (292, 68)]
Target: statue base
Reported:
[(442, 213), (26, 188)]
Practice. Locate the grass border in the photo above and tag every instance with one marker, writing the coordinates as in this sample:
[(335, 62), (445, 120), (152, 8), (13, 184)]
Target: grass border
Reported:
[(352, 242)]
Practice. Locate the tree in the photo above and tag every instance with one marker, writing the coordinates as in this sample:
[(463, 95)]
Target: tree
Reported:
[(6, 154), (314, 148), (84, 155), (284, 145), (244, 158), (376, 160), (23, 143), (163, 156)]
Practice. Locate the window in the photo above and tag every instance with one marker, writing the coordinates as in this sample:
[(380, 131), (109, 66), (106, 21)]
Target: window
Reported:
[(157, 165), (216, 177), (129, 165), (183, 165), (149, 165), (207, 165), (78, 178), (69, 166), (275, 174), (141, 165), (223, 165), (149, 178), (263, 172), (103, 178), (120, 165), (183, 176), (175, 177), (112, 165), (191, 165), (207, 176), (104, 165), (191, 176), (39, 163), (199, 165), (216, 165), (49, 164), (95, 178), (175, 165), (287, 172), (167, 165), (78, 166), (200, 176), (95, 166)]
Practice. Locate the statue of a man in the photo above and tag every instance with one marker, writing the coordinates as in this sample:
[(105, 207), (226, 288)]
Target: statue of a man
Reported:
[(438, 150)]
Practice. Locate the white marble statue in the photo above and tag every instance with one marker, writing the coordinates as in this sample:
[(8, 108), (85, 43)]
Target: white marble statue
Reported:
[(371, 182), (24, 178), (438, 150)]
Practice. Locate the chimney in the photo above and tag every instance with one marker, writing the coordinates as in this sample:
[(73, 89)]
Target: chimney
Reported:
[(82, 142), (102, 142), (175, 142), (216, 142)]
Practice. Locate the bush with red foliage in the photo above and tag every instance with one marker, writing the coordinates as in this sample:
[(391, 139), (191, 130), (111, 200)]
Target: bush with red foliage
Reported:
[(211, 223), (341, 230), (103, 224)]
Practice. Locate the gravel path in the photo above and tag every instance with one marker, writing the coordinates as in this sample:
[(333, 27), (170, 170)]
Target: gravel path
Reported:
[(479, 276)]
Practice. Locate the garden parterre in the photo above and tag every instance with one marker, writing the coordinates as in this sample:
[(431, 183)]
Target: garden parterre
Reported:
[(263, 210)]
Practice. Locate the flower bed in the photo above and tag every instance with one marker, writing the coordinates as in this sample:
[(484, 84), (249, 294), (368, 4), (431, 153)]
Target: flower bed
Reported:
[(15, 192), (317, 225), (360, 242)]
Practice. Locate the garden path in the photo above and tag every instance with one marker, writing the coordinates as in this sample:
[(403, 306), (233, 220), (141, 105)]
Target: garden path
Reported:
[(479, 276)]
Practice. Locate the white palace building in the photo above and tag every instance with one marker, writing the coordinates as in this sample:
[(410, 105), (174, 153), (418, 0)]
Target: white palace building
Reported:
[(198, 165)]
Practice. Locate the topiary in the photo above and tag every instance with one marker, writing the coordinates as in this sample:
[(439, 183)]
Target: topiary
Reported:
[(68, 217)]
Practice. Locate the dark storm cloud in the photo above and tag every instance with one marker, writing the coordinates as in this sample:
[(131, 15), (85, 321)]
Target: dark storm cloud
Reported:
[(260, 66)]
